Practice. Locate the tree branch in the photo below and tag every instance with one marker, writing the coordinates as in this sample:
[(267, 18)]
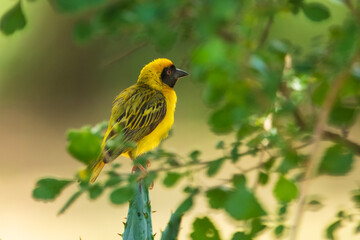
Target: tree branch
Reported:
[(313, 162), (338, 138), (125, 54), (300, 122)]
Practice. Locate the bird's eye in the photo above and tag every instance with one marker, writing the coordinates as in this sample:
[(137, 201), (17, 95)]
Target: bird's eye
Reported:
[(168, 72)]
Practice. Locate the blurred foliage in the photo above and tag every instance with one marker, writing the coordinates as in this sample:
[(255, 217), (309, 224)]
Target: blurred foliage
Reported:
[(13, 20), (274, 101)]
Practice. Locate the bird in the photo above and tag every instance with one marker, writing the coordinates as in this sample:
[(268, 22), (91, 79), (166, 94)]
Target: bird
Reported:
[(142, 115)]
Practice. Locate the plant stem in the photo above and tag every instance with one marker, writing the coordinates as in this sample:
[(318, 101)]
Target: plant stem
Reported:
[(313, 162), (138, 225)]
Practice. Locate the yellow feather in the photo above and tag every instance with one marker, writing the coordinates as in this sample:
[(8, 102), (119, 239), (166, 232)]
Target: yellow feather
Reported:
[(96, 170), (152, 140), (151, 76)]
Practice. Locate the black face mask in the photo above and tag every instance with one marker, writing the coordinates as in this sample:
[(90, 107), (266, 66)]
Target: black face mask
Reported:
[(171, 74)]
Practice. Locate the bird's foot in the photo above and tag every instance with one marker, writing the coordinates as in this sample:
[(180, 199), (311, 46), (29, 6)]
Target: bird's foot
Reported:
[(143, 173)]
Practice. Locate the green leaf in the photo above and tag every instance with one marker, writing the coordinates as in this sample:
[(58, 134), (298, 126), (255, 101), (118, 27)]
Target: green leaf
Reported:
[(220, 145), (295, 5), (245, 130), (357, 229), (316, 11), (13, 20), (291, 160), (172, 228), (217, 197), (320, 92), (282, 210), (344, 42), (234, 153), (171, 179), (269, 163), (83, 145), (122, 195), (314, 205), (225, 119), (242, 204), (194, 155), (336, 161), (214, 166), (213, 94), (341, 214), (48, 189), (204, 229), (263, 178), (99, 129), (256, 227), (356, 198), (239, 180), (83, 31), (255, 141), (330, 230), (241, 236), (285, 190), (164, 39), (71, 200), (342, 116), (95, 191), (279, 230), (113, 179), (185, 205)]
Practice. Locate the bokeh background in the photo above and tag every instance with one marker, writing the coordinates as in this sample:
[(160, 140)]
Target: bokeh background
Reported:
[(49, 83)]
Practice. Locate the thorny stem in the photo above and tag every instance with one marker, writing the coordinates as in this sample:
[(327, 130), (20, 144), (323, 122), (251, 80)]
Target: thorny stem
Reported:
[(138, 225), (313, 162)]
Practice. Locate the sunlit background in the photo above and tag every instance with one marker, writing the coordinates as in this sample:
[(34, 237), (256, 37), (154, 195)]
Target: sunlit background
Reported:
[(50, 83)]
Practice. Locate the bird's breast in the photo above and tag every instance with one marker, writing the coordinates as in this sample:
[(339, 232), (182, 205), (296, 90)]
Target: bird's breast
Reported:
[(153, 139)]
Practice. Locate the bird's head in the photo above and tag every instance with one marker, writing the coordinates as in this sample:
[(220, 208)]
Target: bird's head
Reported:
[(161, 73)]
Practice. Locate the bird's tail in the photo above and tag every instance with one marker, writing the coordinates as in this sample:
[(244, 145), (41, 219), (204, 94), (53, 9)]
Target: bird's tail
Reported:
[(91, 173), (96, 169)]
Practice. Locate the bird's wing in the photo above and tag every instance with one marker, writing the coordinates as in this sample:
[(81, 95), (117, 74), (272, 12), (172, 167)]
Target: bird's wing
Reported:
[(138, 111)]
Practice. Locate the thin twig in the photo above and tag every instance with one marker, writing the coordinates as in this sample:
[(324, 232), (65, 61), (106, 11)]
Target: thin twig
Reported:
[(312, 162), (125, 54), (338, 138), (266, 31), (200, 163)]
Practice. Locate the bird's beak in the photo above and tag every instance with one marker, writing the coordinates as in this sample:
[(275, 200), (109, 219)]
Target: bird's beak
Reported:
[(180, 73)]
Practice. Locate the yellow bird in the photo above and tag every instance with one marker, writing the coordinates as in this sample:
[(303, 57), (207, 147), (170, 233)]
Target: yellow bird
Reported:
[(143, 112)]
